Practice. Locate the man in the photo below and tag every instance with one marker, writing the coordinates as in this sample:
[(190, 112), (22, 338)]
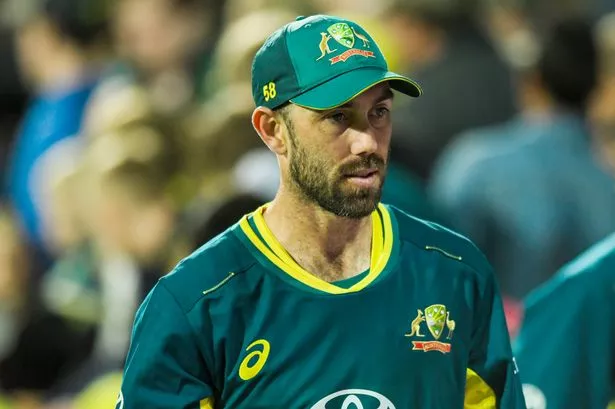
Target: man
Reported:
[(443, 42), (325, 298), (531, 189), (565, 347)]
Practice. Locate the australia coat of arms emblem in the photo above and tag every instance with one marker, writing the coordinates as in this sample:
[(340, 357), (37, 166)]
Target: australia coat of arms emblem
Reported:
[(438, 321), (347, 36)]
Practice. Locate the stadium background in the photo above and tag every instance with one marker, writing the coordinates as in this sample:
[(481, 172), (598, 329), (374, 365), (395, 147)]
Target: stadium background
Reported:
[(125, 143)]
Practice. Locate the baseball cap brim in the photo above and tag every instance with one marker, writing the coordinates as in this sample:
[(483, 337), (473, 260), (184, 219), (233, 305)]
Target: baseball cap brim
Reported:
[(347, 86)]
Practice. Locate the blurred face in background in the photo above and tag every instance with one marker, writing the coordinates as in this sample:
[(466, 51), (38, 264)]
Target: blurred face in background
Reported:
[(124, 221), (156, 35), (36, 42)]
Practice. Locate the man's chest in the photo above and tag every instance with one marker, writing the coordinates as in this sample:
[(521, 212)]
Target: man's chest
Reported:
[(390, 346)]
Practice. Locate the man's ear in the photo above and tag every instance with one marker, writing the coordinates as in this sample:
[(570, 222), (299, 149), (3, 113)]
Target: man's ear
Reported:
[(270, 128)]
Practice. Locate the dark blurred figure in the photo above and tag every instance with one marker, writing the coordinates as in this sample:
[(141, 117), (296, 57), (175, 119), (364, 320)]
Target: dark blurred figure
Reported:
[(466, 83), (530, 192), (59, 51), (13, 99), (37, 347), (218, 218)]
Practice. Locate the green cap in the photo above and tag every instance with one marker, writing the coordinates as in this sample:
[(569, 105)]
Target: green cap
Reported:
[(321, 62)]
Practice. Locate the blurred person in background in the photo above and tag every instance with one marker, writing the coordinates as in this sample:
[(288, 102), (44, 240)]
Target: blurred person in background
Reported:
[(576, 305), (530, 192), (60, 55), (131, 214), (565, 347), (166, 46), (122, 198), (444, 47), (164, 51), (37, 347)]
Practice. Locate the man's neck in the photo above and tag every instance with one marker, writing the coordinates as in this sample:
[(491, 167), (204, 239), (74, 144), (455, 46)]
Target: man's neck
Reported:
[(328, 246)]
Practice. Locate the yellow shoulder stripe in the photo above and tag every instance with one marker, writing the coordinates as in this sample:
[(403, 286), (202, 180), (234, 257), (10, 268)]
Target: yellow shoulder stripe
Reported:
[(479, 394), (207, 403)]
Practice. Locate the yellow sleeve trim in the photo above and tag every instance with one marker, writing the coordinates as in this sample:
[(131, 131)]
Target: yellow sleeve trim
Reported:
[(207, 403), (479, 394)]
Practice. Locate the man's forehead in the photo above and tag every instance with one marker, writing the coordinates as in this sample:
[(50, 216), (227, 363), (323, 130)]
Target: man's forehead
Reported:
[(377, 93)]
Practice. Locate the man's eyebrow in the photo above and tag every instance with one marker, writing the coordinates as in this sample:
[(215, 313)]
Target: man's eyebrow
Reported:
[(388, 94)]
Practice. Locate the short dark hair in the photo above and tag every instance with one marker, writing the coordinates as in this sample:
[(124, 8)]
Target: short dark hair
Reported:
[(85, 22), (568, 65)]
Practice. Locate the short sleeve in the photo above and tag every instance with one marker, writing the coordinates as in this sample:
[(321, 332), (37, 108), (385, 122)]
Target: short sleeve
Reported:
[(164, 367), (492, 375)]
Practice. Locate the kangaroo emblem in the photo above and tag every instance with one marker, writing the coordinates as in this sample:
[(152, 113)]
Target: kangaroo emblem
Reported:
[(450, 324), (416, 325), (361, 37), (324, 45)]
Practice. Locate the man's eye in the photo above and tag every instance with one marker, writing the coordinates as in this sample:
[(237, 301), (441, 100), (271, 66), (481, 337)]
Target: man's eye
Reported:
[(382, 112), (338, 117)]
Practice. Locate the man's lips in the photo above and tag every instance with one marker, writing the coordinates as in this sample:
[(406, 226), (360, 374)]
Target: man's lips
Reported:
[(363, 173)]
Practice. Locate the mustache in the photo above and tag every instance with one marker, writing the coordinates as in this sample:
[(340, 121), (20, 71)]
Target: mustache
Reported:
[(367, 162)]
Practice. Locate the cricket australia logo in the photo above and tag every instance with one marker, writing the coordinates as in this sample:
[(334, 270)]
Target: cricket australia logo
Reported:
[(345, 35), (437, 319)]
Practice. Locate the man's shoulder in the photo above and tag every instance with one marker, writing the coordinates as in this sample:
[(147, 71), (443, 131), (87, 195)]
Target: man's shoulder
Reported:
[(207, 268), (430, 236), (590, 275)]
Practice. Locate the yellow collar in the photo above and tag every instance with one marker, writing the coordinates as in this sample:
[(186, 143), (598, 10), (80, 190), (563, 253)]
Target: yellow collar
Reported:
[(382, 245)]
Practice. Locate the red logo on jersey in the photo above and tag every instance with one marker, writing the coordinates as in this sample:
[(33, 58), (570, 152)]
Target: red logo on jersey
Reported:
[(431, 346)]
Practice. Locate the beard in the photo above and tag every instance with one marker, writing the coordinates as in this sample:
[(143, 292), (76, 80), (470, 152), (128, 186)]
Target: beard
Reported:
[(311, 174)]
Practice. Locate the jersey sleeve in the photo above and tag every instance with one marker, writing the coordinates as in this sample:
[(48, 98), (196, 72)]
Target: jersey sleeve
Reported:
[(164, 367), (565, 346), (492, 375)]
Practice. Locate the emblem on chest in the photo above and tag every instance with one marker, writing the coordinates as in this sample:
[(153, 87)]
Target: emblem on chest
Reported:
[(438, 320)]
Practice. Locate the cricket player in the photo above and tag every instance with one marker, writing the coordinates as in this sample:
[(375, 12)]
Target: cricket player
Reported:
[(325, 298), (566, 347)]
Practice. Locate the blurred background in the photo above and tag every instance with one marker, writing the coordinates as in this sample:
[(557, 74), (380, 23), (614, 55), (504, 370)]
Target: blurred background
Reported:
[(126, 143)]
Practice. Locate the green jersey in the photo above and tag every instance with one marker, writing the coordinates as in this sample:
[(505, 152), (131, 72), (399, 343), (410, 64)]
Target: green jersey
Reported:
[(239, 324), (565, 347)]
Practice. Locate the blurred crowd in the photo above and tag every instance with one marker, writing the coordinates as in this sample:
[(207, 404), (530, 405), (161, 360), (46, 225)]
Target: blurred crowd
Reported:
[(126, 143)]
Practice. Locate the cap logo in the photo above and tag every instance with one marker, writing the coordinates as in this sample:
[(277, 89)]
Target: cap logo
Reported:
[(345, 35), (342, 33)]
